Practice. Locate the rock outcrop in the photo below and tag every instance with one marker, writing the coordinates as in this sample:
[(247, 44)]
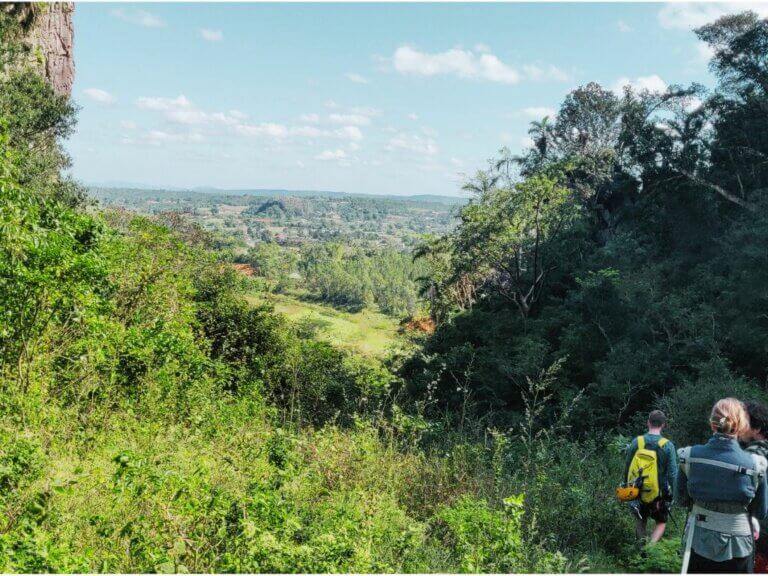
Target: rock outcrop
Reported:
[(49, 33)]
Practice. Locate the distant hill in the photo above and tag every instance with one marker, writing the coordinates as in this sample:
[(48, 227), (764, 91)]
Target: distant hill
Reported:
[(112, 191)]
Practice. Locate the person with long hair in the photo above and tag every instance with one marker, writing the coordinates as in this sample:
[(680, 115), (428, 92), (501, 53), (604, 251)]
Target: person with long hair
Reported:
[(725, 488)]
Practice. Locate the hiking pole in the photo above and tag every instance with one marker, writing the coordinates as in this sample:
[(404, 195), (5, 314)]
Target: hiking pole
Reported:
[(689, 527)]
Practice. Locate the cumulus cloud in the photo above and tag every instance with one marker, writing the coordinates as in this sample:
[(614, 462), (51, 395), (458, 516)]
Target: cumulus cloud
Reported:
[(186, 122), (704, 53), (160, 137), (356, 78), (99, 95), (181, 110), (454, 62), (139, 17), (337, 154), (533, 72), (623, 26), (352, 118), (685, 15), (467, 64), (412, 143), (351, 133), (651, 83), (211, 35)]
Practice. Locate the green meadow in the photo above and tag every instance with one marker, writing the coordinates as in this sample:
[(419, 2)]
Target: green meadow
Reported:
[(368, 332)]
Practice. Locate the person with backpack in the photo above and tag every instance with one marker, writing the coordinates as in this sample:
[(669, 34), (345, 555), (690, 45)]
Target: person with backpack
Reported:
[(725, 488), (651, 465), (755, 441)]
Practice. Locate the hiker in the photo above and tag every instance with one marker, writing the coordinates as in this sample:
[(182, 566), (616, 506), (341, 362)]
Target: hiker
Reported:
[(725, 487), (651, 459), (755, 441)]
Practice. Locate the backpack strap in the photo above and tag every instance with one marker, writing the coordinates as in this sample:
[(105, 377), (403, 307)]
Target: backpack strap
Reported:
[(683, 457), (641, 442), (735, 467), (662, 442)]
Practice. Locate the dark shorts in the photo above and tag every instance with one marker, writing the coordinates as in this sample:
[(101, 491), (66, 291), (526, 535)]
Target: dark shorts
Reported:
[(658, 511), (701, 565)]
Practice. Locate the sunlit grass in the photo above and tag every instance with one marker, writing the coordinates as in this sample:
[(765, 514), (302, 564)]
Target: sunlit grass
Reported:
[(367, 332)]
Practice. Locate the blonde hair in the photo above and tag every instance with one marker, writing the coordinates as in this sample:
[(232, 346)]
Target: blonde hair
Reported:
[(729, 417)]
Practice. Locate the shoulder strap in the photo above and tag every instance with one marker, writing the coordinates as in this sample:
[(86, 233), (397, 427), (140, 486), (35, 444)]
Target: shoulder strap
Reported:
[(726, 465), (683, 457), (662, 442), (641, 442)]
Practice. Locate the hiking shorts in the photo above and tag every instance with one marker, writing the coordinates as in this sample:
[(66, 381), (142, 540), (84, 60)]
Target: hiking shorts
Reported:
[(658, 511)]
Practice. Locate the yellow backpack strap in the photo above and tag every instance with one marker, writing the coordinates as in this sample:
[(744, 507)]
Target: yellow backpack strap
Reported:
[(641, 442), (662, 441)]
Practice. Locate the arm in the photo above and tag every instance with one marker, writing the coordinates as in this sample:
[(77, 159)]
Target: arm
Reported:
[(682, 498), (672, 469)]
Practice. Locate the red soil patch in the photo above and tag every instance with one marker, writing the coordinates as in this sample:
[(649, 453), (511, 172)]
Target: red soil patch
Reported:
[(423, 324), (246, 269)]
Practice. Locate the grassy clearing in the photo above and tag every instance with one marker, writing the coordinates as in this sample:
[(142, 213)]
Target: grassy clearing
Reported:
[(368, 332)]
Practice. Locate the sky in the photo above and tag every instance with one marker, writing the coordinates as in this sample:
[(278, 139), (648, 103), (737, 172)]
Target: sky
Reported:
[(363, 98)]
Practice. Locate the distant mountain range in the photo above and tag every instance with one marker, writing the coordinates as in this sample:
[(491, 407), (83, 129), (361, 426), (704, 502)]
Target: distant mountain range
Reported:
[(275, 192)]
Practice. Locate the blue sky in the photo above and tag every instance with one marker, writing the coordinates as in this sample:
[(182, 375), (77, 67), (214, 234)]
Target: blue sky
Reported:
[(372, 98)]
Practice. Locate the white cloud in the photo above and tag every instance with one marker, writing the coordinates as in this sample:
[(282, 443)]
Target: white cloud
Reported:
[(127, 125), (331, 155), (159, 137), (469, 65), (181, 110), (693, 104), (211, 35), (140, 17), (412, 143), (533, 72), (685, 15), (313, 118), (623, 26), (454, 62), (357, 78), (356, 119), (538, 112), (651, 83), (351, 133), (482, 48), (277, 131), (99, 95), (704, 53), (413, 116), (526, 142)]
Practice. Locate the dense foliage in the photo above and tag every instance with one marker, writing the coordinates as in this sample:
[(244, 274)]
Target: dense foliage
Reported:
[(629, 242)]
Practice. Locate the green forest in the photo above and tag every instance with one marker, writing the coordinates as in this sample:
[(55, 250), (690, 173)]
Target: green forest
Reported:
[(155, 419)]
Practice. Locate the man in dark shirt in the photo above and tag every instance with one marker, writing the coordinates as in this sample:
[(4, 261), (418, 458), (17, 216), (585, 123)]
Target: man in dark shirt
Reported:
[(658, 510), (756, 442)]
